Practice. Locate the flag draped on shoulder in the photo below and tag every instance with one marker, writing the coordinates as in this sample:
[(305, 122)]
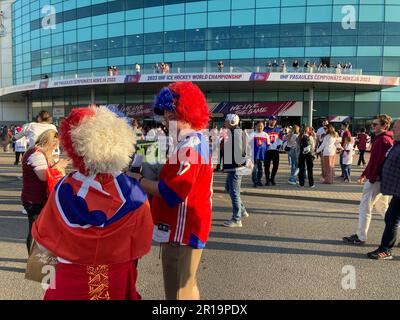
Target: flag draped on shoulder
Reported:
[(96, 220)]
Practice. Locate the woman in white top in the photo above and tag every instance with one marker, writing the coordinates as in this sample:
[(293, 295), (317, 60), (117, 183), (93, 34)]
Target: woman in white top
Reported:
[(329, 147), (34, 129)]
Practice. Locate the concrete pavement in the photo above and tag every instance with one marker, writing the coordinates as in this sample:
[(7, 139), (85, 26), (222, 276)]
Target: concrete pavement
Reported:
[(289, 248)]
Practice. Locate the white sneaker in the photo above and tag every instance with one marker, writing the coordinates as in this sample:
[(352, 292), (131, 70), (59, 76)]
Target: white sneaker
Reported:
[(292, 183), (245, 215), (24, 211), (233, 224)]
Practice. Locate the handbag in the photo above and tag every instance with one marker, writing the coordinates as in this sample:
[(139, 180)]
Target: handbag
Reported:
[(37, 261), (287, 149)]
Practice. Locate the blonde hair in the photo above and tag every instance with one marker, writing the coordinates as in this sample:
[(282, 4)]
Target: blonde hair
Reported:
[(48, 141), (104, 141)]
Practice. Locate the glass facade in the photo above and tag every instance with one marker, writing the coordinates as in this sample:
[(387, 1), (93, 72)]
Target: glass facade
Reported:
[(192, 36)]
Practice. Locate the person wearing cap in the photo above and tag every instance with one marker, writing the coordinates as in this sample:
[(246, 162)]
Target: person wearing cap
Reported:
[(234, 160), (181, 202), (272, 153)]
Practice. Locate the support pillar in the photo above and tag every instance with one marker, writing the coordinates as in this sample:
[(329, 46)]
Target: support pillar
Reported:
[(311, 106)]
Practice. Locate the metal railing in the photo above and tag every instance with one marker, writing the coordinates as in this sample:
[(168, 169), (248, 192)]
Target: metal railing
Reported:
[(230, 69)]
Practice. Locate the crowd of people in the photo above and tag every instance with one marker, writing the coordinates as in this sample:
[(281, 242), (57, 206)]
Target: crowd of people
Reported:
[(282, 66), (98, 220), (162, 67)]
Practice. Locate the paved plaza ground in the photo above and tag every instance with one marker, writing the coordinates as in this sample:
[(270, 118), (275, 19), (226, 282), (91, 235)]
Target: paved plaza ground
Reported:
[(289, 248)]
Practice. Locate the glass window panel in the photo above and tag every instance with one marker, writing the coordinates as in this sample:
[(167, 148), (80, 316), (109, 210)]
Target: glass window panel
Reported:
[(134, 51), (369, 63), (100, 44), (116, 42), (115, 6), (242, 43), (268, 16), (58, 51), (137, 4), (36, 63), (154, 38), (35, 55), (219, 19), (196, 35), (392, 40), (319, 14), (292, 42), (344, 40), (174, 47), (293, 15), (370, 28), (71, 58), (195, 46), (337, 29), (292, 30), (392, 28), (218, 44), (318, 29), (267, 42), (99, 9), (198, 20), (266, 31), (59, 59), (318, 41), (135, 40), (371, 13), (99, 54), (243, 17), (46, 53), (84, 12), (218, 33), (70, 15), (154, 49), (242, 31), (83, 56), (370, 40), (118, 52), (174, 36)]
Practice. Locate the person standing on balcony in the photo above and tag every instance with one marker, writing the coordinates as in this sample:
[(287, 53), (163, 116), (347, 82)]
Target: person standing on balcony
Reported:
[(137, 68), (220, 66)]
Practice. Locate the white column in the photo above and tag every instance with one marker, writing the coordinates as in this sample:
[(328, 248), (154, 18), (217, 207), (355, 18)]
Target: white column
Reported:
[(310, 106)]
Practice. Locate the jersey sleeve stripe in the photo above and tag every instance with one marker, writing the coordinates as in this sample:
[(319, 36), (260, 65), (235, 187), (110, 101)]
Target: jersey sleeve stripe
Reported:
[(170, 197)]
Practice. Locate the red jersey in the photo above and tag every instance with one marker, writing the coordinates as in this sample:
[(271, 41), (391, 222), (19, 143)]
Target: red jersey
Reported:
[(183, 212)]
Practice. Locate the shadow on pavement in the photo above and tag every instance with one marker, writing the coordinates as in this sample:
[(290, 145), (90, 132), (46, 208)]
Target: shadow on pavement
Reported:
[(11, 269), (294, 197), (224, 246), (13, 260)]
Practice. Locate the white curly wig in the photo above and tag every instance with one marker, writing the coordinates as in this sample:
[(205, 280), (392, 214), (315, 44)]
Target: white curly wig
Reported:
[(97, 140)]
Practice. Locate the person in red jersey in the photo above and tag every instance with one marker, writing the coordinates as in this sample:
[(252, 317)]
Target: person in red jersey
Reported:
[(181, 203), (97, 220)]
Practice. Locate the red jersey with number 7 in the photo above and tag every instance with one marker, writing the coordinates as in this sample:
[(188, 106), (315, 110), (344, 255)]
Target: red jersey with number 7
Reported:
[(183, 212)]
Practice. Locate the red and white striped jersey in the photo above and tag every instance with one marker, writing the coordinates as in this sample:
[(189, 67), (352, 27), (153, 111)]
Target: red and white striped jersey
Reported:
[(183, 212)]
